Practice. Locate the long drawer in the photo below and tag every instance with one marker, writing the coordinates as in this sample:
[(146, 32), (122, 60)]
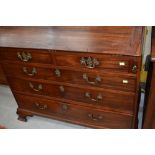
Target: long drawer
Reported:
[(99, 62), (95, 79), (26, 55), (117, 100), (74, 113)]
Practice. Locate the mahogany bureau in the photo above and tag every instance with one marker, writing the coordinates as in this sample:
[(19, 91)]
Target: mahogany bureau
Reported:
[(84, 75)]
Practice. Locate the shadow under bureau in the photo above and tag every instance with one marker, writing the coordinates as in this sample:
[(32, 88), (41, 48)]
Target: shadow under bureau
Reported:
[(84, 75)]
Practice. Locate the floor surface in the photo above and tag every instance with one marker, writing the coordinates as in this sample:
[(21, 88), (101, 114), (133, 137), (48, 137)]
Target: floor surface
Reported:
[(8, 117)]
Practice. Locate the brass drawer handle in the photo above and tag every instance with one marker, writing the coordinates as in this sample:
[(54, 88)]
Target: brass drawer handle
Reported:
[(89, 62), (40, 87), (95, 118), (62, 89), (33, 72), (24, 56), (88, 95), (65, 107), (134, 69), (96, 81), (57, 72), (41, 107)]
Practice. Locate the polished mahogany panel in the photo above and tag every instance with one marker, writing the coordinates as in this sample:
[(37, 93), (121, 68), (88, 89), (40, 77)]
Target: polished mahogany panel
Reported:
[(26, 55), (81, 114), (3, 79), (99, 62), (116, 100), (125, 40), (91, 78)]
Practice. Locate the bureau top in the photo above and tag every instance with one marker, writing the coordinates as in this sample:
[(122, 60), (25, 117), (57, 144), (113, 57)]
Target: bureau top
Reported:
[(123, 40)]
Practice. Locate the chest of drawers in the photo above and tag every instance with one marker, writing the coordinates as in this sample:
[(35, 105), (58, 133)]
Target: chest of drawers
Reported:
[(83, 75)]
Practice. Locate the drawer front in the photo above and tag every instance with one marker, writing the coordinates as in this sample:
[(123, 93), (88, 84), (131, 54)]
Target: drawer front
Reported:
[(79, 114), (101, 80), (26, 55), (106, 98), (99, 62), (30, 71)]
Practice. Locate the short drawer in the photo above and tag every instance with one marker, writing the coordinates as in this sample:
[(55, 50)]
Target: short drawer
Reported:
[(106, 98), (98, 62), (26, 55), (74, 113), (94, 79)]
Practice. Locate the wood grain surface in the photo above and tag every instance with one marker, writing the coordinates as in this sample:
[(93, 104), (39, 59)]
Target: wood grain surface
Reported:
[(85, 75), (124, 40)]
